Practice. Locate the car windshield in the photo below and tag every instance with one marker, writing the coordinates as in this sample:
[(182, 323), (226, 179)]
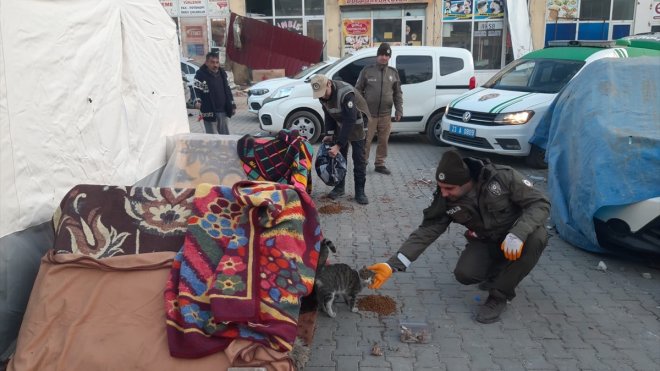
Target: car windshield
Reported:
[(535, 75), (307, 70)]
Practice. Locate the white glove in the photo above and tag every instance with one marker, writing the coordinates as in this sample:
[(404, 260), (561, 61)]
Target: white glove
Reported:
[(512, 246)]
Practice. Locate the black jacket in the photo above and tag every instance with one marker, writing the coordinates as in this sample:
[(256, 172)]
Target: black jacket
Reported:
[(214, 93)]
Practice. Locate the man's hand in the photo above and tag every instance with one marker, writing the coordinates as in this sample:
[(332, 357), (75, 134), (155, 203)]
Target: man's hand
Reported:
[(334, 150), (383, 272), (327, 139), (198, 105), (512, 246), (397, 117)]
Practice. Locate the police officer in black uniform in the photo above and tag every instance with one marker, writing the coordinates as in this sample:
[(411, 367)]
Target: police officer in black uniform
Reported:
[(346, 112), (505, 216)]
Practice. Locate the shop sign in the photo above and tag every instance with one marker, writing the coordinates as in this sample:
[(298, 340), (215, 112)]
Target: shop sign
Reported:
[(171, 7), (192, 8), (561, 9), (357, 34), (290, 25), (489, 26), (468, 9), (378, 2), (218, 8)]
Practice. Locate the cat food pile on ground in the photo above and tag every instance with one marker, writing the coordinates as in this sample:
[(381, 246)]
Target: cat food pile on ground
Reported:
[(334, 208), (381, 304)]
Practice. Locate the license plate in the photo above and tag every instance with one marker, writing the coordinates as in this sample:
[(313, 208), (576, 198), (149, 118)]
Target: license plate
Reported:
[(460, 130)]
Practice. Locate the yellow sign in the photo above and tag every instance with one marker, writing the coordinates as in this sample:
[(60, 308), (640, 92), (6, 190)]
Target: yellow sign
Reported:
[(379, 2)]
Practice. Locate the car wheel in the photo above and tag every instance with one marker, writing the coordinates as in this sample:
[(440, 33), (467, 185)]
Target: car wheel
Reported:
[(307, 124), (536, 158), (434, 130)]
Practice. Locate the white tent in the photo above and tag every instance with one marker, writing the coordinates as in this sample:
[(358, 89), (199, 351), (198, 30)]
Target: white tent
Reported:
[(89, 90)]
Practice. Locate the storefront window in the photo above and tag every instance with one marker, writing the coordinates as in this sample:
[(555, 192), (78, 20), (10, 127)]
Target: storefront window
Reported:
[(487, 48), (623, 10), (290, 24), (313, 7), (289, 15), (194, 38), (258, 8), (594, 9), (457, 34), (288, 7), (387, 30), (218, 31)]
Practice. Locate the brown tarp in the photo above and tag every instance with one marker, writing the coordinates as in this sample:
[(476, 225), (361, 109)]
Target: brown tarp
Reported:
[(260, 45), (108, 314)]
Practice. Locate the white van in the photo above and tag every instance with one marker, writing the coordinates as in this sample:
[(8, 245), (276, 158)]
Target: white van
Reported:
[(430, 78)]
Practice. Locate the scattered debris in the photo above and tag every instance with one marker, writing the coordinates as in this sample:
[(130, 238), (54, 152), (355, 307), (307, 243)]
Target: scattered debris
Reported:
[(417, 333), (376, 351), (601, 266), (647, 275), (381, 304)]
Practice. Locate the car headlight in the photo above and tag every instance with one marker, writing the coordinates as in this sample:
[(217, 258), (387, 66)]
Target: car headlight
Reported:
[(258, 91), (282, 92), (514, 118)]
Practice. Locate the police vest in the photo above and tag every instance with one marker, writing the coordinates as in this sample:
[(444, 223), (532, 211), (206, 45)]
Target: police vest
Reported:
[(334, 108)]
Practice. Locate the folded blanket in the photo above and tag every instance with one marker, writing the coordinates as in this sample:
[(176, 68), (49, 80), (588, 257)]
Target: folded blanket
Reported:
[(287, 158), (102, 221), (249, 255)]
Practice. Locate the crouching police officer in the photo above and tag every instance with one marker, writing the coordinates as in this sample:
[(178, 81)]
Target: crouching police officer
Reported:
[(345, 111), (505, 216)]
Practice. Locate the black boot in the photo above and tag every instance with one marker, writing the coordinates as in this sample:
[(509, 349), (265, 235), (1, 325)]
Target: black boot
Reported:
[(492, 309), (360, 197), (336, 192)]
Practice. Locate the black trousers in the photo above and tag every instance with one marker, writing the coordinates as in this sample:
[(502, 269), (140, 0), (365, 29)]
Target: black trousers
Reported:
[(484, 261), (359, 163)]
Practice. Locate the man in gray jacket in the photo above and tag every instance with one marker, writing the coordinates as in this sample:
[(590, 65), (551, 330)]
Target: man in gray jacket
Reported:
[(379, 84), (505, 217)]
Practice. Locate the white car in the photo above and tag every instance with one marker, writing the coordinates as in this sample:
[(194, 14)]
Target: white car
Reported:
[(502, 115), (430, 78), (188, 70), (263, 89)]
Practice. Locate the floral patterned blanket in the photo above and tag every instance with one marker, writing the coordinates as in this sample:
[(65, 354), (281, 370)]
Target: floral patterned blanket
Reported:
[(103, 221), (287, 158), (249, 256)]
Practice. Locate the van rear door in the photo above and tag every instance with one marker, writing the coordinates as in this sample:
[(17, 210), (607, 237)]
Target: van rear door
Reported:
[(455, 69), (416, 72)]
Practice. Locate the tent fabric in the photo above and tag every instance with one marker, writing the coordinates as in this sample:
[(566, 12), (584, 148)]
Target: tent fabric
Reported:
[(91, 100), (602, 140)]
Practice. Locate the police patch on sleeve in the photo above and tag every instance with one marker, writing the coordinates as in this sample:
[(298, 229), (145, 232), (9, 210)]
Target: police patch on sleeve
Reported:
[(349, 104), (495, 188), (527, 183)]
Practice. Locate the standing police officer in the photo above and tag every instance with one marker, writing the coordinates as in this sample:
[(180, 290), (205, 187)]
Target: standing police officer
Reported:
[(505, 216), (379, 84), (345, 111)]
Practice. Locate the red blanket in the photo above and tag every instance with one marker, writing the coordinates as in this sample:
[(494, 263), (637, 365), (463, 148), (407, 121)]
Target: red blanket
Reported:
[(249, 255)]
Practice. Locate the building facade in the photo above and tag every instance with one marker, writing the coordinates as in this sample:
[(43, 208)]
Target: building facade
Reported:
[(481, 26)]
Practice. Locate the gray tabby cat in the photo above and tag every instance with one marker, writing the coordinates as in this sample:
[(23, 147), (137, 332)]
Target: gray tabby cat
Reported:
[(338, 280)]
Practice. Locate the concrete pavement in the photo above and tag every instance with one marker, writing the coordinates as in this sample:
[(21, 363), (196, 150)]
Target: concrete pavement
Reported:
[(567, 315)]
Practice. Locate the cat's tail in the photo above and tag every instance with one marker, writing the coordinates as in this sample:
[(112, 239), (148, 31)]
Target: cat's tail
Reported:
[(326, 247)]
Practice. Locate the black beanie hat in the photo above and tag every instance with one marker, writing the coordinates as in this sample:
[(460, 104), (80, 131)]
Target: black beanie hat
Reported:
[(452, 169), (384, 49)]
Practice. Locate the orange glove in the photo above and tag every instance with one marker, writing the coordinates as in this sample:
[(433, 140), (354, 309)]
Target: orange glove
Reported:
[(383, 272), (512, 246)]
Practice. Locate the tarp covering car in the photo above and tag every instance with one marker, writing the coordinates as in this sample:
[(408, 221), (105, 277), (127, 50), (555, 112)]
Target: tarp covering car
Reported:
[(602, 140)]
